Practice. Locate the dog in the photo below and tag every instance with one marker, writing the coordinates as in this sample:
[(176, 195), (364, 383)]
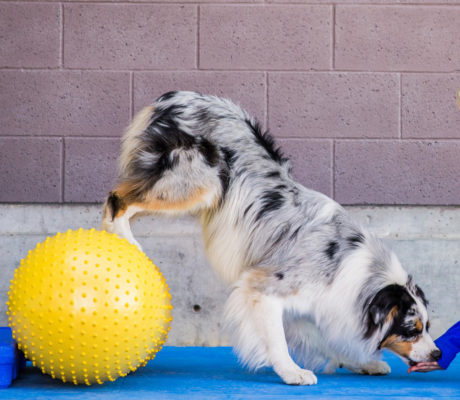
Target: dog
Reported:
[(312, 290)]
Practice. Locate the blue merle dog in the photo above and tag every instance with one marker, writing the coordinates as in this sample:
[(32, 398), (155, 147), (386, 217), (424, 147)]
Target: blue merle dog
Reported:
[(309, 284)]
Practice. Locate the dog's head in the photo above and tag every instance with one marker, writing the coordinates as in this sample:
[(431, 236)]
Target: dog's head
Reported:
[(398, 317)]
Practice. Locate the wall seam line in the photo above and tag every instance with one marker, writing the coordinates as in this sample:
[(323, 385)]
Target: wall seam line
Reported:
[(253, 4), (63, 170), (333, 35), (266, 101), (198, 45), (306, 71), (400, 106), (131, 95), (277, 137), (61, 36), (333, 168)]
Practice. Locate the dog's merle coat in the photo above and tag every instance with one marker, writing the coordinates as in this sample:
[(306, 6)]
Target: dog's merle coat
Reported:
[(307, 280)]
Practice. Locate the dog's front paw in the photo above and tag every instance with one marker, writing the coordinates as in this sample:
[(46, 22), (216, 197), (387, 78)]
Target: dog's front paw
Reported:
[(297, 376)]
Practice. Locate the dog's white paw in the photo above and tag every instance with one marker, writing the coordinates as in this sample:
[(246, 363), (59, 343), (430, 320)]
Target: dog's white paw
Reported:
[(297, 376), (377, 368), (107, 225), (372, 368)]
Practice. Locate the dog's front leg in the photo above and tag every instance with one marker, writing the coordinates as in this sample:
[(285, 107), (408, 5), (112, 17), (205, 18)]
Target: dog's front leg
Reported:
[(256, 322), (269, 320)]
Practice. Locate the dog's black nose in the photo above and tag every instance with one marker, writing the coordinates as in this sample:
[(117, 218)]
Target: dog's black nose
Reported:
[(436, 354)]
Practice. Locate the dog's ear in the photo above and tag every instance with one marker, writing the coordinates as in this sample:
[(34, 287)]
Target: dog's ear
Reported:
[(377, 314), (386, 303), (417, 290)]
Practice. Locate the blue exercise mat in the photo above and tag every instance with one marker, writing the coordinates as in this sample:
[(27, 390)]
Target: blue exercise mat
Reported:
[(213, 373)]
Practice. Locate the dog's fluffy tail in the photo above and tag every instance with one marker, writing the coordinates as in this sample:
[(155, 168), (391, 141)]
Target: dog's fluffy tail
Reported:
[(167, 165)]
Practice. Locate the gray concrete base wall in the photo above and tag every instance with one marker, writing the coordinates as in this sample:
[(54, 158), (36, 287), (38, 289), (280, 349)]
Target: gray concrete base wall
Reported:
[(426, 239)]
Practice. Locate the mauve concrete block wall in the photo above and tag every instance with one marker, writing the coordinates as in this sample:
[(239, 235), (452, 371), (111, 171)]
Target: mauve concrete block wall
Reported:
[(361, 93)]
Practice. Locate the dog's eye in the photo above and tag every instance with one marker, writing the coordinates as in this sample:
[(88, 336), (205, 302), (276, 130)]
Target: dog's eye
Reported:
[(428, 325), (411, 333), (411, 312)]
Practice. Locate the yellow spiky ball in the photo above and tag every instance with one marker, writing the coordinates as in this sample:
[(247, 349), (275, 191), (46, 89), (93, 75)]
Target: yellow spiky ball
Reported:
[(87, 307)]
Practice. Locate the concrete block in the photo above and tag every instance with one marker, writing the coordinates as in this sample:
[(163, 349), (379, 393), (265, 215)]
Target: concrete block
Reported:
[(391, 172), (64, 103), (409, 222), (90, 168), (265, 37), (395, 38), (349, 105), (244, 88), (29, 35), (197, 293), (21, 219), (130, 36), (31, 169), (154, 225), (426, 240), (311, 162), (12, 251), (429, 109), (390, 222)]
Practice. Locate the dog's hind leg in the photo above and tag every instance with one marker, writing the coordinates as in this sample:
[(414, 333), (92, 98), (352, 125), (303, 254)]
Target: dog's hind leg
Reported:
[(121, 205), (164, 170), (307, 344), (373, 367), (116, 216), (256, 319)]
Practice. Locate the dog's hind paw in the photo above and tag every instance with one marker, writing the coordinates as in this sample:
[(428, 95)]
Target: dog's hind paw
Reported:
[(372, 368), (377, 368), (298, 376)]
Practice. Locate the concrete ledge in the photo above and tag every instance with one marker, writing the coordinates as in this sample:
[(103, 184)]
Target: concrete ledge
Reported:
[(408, 222), (426, 239), (24, 219)]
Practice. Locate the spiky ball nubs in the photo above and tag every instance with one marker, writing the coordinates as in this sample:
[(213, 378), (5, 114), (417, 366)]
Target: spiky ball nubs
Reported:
[(87, 306)]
